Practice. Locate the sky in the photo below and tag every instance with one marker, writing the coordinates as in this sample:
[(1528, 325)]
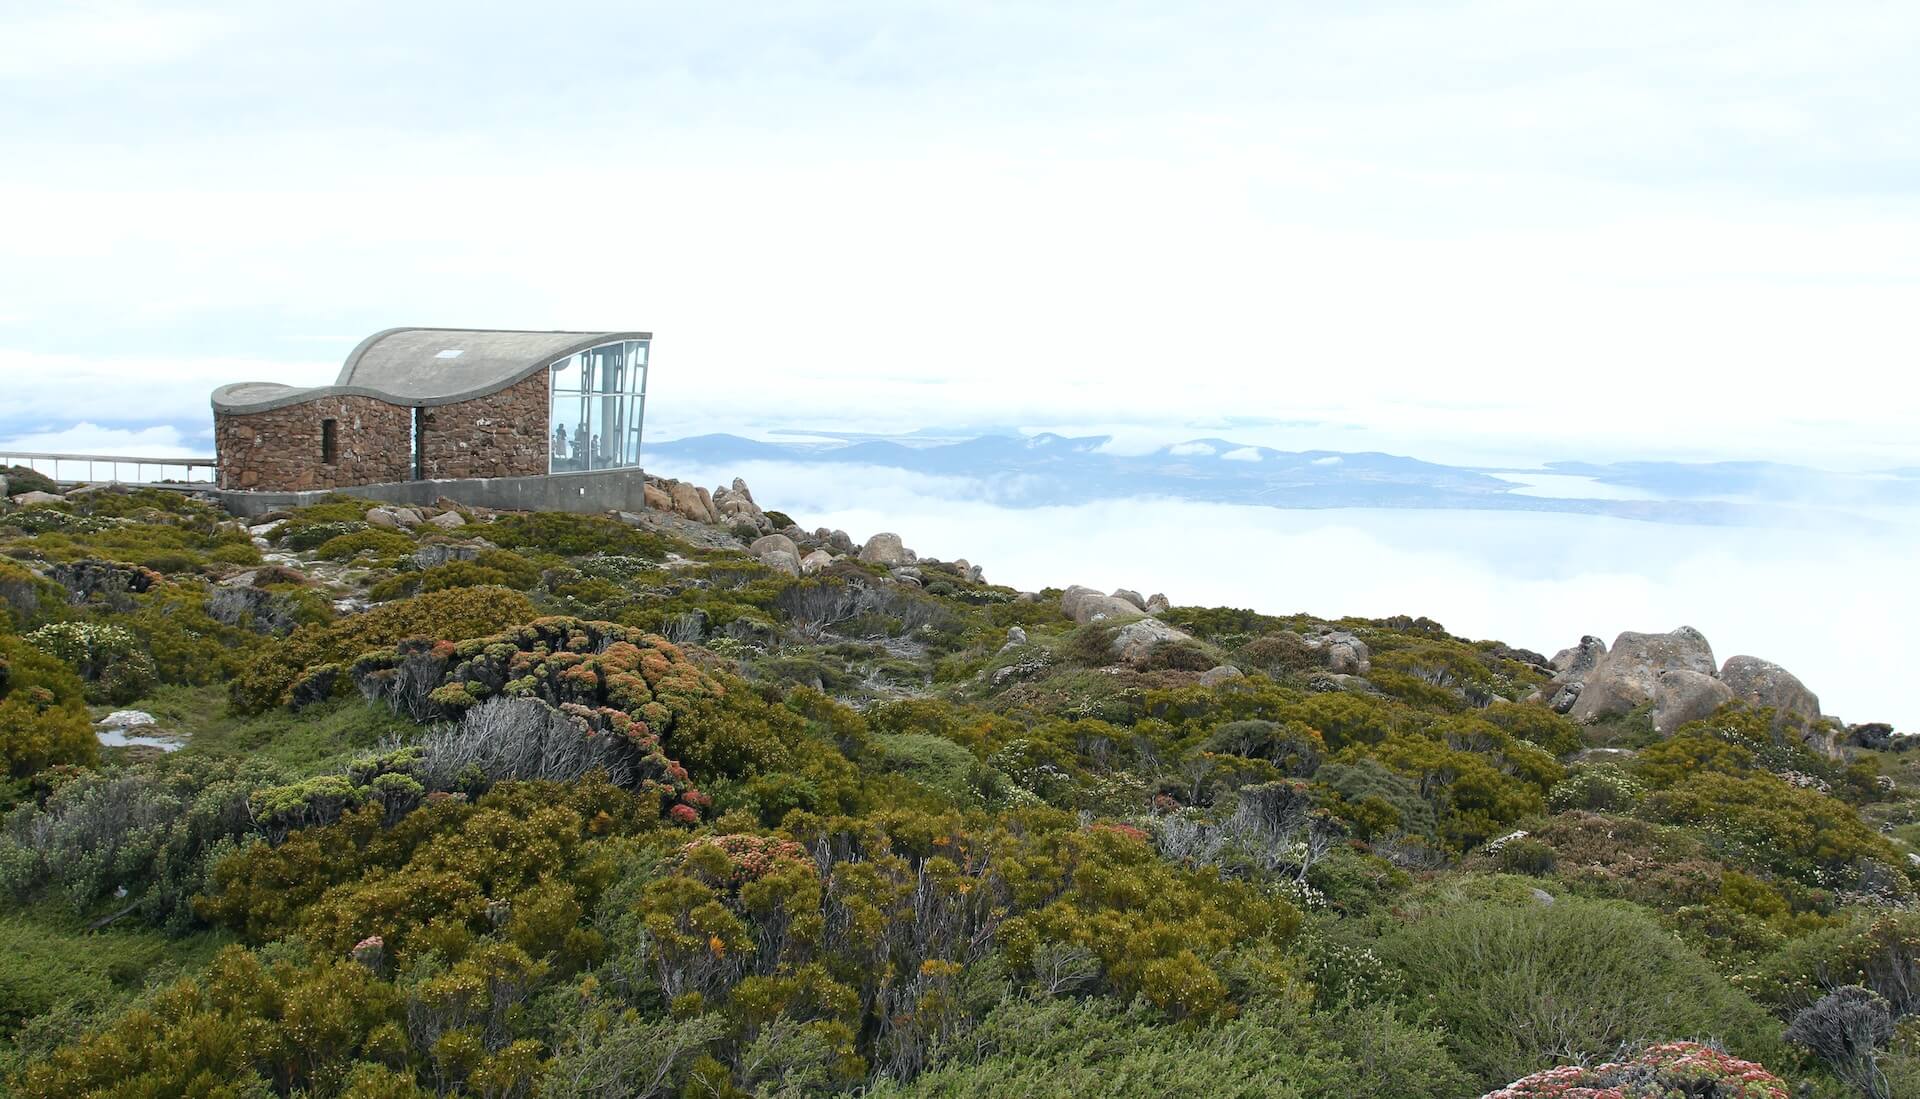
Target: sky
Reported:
[(1471, 231), (1484, 231)]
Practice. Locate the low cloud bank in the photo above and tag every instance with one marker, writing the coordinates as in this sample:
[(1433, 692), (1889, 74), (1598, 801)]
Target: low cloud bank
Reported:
[(1833, 611)]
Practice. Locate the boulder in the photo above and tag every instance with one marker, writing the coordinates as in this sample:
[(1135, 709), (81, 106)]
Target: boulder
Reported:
[(448, 520), (1018, 636), (771, 543), (28, 499), (1139, 602), (782, 561), (885, 548), (1215, 676), (1157, 603), (1629, 675), (1342, 653), (907, 573), (655, 498), (1682, 695), (1571, 668), (384, 518), (125, 719), (687, 502), (439, 553), (1134, 642), (740, 489), (840, 541), (814, 562), (1760, 682), (1083, 605)]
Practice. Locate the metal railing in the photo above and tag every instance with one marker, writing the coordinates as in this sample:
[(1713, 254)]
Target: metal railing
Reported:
[(94, 469)]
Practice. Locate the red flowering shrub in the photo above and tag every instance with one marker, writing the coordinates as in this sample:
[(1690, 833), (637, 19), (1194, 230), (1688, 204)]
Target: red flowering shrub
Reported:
[(1675, 1068), (737, 858)]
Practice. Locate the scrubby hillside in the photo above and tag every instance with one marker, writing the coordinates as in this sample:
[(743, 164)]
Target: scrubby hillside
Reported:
[(699, 803)]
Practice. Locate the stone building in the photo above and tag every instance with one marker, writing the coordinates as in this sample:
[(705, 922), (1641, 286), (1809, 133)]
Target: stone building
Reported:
[(439, 405)]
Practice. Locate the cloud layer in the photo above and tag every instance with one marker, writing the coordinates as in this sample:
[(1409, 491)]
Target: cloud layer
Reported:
[(1836, 613)]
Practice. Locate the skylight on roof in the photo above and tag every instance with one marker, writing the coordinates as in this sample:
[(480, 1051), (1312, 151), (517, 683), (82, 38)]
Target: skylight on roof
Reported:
[(451, 353)]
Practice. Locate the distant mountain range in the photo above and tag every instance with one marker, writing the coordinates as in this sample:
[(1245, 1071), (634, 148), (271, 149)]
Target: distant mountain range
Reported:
[(1046, 469)]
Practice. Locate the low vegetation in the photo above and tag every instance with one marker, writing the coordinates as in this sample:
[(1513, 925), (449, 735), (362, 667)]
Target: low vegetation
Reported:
[(550, 805)]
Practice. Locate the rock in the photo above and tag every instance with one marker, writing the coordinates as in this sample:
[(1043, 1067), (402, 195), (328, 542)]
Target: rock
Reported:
[(1223, 673), (1540, 896), (1018, 636), (448, 520), (384, 518), (1343, 653), (28, 499), (885, 548), (1133, 597), (125, 719), (1602, 755), (1157, 603), (1682, 695), (740, 489), (907, 573), (781, 560), (840, 541), (1760, 682), (655, 497), (1340, 652), (1134, 642), (770, 543), (1571, 668), (408, 517), (439, 553), (814, 562), (687, 502), (1629, 675), (1083, 605)]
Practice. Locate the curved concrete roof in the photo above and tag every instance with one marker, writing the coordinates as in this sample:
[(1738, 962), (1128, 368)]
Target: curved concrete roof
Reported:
[(426, 366)]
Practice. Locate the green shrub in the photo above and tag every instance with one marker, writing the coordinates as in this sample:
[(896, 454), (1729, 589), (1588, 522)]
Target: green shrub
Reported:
[(1522, 987), (109, 658), (269, 678), (22, 479), (43, 722), (575, 535), (381, 545)]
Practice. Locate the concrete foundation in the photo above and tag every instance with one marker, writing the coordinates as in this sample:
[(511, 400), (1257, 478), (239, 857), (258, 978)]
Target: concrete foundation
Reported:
[(586, 493)]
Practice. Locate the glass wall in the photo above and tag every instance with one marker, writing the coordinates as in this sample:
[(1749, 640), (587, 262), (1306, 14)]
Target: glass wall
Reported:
[(598, 399)]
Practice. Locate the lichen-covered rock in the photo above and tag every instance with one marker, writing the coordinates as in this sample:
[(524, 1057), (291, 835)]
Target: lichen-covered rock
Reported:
[(781, 561), (815, 561), (1083, 605), (1571, 668), (1219, 674), (1760, 682), (1682, 696), (1629, 675), (1134, 643), (885, 548), (1131, 596), (769, 543)]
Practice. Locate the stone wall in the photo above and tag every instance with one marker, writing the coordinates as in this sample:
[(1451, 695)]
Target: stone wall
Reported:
[(279, 449), (502, 434)]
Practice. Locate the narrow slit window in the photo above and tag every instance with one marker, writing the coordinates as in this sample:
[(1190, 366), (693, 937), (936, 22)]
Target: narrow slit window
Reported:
[(329, 442)]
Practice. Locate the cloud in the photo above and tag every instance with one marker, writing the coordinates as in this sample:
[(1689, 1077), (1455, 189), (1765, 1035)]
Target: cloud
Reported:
[(1535, 580), (163, 441), (1243, 454), (1184, 449)]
